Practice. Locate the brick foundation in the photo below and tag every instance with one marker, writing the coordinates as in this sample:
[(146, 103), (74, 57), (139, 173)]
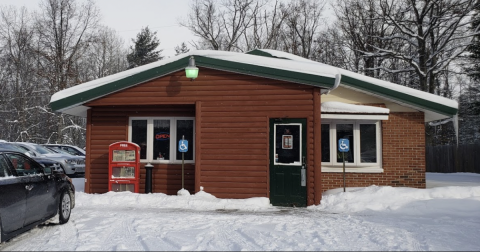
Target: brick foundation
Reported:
[(403, 137)]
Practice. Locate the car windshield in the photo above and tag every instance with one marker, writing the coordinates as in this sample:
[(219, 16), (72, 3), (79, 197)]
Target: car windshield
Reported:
[(42, 150), (12, 147), (58, 150)]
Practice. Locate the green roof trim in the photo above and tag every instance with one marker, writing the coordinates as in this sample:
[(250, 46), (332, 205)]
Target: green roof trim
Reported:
[(266, 72), (399, 96)]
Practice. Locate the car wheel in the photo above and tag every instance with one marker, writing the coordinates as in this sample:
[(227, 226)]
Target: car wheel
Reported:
[(65, 207)]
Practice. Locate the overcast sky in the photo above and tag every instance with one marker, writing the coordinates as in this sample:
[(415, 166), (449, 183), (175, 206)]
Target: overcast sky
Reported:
[(128, 17)]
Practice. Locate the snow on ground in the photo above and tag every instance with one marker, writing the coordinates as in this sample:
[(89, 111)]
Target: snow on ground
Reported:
[(443, 217)]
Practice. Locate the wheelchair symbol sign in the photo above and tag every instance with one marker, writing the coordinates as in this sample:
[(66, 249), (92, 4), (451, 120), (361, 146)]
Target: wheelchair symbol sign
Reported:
[(183, 145), (343, 145)]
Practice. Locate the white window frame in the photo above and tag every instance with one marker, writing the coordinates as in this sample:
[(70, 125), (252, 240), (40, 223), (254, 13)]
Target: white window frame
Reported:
[(357, 165), (173, 139)]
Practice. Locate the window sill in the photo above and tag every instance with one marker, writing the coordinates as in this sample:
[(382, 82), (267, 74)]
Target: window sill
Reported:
[(353, 169)]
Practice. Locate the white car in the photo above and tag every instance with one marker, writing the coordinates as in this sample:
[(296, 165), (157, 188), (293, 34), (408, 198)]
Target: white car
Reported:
[(70, 149), (72, 165)]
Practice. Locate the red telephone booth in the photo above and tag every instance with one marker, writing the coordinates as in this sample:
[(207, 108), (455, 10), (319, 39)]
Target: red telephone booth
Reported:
[(124, 167)]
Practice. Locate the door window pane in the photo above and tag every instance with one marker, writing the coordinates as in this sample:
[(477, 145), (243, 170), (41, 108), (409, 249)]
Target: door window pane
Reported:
[(346, 131), (325, 143), (185, 129), (287, 141), (161, 141), (139, 136), (368, 143)]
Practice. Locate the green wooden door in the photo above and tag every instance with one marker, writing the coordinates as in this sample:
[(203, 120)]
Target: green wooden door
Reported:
[(288, 162)]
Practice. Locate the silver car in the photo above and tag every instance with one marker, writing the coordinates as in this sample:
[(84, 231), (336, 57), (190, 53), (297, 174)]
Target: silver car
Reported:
[(72, 165)]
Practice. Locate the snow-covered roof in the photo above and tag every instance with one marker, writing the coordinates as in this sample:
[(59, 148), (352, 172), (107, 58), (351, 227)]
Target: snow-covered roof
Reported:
[(263, 63)]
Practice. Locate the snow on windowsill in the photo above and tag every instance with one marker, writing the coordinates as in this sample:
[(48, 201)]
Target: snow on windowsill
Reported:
[(337, 169)]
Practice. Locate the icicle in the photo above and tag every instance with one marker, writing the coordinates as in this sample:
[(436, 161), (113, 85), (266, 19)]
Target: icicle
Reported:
[(455, 125)]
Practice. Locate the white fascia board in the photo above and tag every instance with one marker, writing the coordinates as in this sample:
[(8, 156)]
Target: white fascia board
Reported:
[(354, 116)]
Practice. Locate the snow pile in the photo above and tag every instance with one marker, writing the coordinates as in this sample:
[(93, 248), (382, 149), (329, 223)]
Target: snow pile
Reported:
[(199, 201), (183, 192), (405, 200)]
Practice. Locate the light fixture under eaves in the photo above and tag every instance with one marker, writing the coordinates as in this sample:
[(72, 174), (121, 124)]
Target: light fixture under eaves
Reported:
[(191, 71)]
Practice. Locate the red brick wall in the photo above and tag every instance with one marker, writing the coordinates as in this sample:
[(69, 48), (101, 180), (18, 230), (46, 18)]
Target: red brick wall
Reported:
[(403, 137)]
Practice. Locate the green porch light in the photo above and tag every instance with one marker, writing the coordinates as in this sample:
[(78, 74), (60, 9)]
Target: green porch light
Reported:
[(191, 71)]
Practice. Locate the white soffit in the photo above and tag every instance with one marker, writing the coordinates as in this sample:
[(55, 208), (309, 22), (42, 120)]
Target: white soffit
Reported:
[(340, 110)]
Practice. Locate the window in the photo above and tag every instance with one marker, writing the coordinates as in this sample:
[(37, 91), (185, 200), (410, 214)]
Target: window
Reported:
[(158, 138), (23, 166), (288, 144), (364, 154), (4, 171)]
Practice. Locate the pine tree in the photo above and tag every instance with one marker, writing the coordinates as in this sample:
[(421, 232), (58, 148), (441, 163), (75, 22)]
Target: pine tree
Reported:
[(474, 69), (181, 49), (144, 50), (469, 110)]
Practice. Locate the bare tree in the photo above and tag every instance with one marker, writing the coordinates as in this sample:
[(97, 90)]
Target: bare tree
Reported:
[(433, 33), (220, 27), (363, 29), (65, 29), (302, 25), (330, 47), (105, 55), (20, 96), (266, 28)]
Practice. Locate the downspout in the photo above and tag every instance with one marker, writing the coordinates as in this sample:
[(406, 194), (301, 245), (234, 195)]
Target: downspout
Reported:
[(338, 77)]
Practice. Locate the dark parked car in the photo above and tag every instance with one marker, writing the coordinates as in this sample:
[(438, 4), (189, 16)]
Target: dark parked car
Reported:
[(31, 192)]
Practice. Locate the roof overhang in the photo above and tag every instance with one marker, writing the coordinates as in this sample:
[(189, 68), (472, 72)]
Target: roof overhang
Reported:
[(72, 100), (263, 63)]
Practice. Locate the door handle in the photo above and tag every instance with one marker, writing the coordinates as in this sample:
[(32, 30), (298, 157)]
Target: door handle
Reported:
[(29, 187)]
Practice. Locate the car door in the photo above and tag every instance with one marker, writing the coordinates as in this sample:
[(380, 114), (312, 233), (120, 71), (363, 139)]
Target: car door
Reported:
[(40, 189), (13, 198)]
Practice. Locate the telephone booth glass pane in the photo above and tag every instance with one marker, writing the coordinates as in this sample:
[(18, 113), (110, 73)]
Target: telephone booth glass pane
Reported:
[(161, 141)]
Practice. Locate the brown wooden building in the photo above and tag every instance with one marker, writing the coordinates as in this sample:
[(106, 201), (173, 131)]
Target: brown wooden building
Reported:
[(259, 124)]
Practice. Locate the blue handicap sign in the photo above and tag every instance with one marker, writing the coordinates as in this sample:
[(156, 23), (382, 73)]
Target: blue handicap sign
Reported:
[(343, 145), (183, 145)]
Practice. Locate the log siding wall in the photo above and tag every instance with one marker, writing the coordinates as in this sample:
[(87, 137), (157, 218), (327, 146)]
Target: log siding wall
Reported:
[(232, 113)]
